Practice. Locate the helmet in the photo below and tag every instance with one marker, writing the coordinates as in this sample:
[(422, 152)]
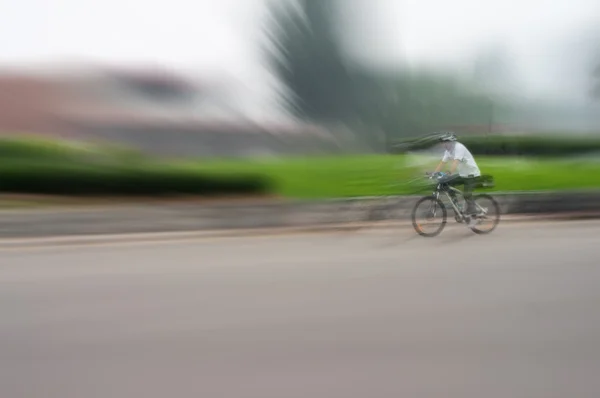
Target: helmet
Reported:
[(447, 137)]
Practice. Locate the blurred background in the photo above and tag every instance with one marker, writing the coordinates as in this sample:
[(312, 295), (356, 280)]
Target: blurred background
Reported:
[(273, 78)]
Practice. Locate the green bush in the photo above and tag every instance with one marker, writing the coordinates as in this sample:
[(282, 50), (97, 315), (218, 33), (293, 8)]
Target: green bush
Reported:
[(516, 145), (531, 145), (55, 167), (44, 149), (85, 180), (36, 148)]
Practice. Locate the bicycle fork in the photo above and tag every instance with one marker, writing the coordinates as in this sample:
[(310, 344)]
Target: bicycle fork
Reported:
[(432, 210)]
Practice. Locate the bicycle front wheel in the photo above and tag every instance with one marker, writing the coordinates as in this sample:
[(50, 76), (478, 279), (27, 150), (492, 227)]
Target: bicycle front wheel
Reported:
[(429, 216), (488, 214)]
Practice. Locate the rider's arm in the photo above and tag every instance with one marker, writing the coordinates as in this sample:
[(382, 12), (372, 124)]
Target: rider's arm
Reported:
[(454, 166), (443, 162), (459, 153), (439, 167)]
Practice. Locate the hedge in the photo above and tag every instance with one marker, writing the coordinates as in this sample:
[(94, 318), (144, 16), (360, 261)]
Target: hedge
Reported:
[(56, 167), (86, 180), (532, 145), (516, 145), (44, 149)]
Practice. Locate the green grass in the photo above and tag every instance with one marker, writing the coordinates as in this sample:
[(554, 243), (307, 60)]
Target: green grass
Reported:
[(42, 166), (325, 177)]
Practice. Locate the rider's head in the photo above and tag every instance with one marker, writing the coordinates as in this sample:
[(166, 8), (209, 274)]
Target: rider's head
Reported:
[(448, 139)]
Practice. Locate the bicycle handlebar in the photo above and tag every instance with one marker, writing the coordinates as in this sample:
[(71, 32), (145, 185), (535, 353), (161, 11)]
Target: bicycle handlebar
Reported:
[(438, 174)]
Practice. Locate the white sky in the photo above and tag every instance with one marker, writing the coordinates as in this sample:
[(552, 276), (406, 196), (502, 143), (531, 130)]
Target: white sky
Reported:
[(200, 33), (221, 35)]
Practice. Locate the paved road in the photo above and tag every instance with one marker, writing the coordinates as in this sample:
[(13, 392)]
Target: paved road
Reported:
[(368, 314)]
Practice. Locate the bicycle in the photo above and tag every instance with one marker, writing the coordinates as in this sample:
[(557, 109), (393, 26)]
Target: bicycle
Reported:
[(483, 213)]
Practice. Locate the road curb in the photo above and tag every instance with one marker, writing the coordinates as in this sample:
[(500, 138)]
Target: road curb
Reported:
[(102, 239), (235, 219)]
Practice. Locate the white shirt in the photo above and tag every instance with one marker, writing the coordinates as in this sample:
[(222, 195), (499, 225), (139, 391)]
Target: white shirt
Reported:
[(467, 165)]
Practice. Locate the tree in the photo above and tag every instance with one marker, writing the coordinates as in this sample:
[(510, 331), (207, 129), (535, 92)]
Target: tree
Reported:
[(303, 51), (323, 85)]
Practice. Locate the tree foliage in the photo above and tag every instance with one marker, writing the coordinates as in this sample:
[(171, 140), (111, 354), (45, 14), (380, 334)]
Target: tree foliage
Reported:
[(304, 53), (321, 84)]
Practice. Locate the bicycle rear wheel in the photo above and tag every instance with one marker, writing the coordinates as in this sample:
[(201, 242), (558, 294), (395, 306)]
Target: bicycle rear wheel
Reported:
[(429, 208), (488, 214)]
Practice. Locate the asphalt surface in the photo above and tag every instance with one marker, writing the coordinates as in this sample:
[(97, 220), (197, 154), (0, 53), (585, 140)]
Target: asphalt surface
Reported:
[(354, 314)]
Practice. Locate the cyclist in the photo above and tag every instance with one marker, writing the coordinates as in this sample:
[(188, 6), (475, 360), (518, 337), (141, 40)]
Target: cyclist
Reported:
[(468, 171)]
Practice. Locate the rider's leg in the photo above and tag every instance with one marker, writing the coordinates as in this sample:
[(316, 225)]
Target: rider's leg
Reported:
[(470, 183), (453, 181)]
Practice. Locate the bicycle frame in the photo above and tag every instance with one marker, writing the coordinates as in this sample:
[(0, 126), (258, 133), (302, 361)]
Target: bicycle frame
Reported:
[(447, 189), (440, 188)]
